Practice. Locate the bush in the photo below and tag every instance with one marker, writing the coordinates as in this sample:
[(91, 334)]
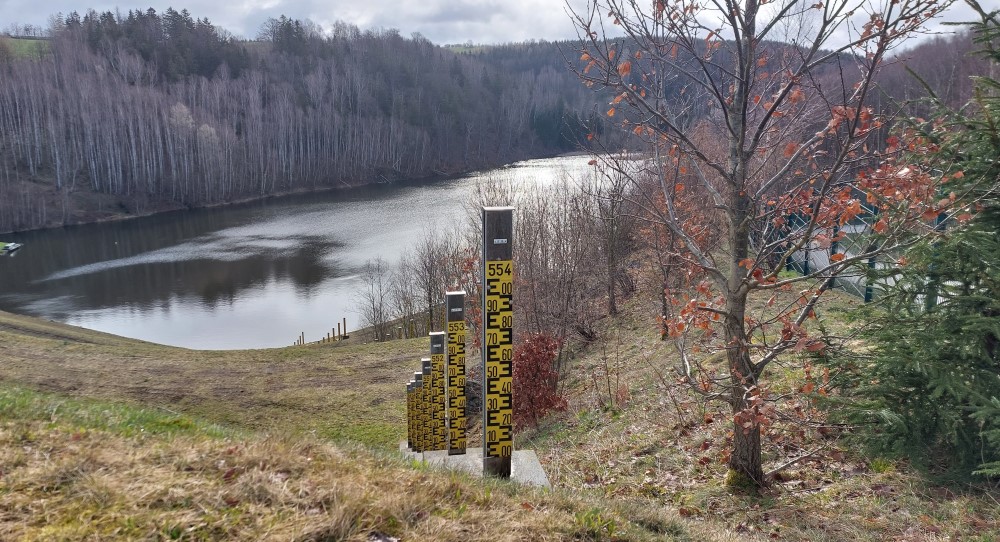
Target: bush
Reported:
[(536, 380)]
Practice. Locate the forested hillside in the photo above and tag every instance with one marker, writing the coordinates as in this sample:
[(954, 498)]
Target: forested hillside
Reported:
[(129, 114), (146, 111)]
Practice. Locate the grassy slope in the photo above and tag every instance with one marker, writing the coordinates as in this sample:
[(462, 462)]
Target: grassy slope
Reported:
[(660, 444), (86, 470), (25, 48), (334, 391), (654, 450)]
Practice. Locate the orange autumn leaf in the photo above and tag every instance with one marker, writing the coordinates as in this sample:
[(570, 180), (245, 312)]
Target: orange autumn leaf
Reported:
[(836, 257), (625, 68), (881, 226), (611, 112), (790, 150)]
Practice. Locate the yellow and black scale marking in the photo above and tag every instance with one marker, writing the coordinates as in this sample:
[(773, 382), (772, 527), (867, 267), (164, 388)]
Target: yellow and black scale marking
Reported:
[(456, 387), (413, 411), (498, 435), (426, 419), (409, 416), (438, 393)]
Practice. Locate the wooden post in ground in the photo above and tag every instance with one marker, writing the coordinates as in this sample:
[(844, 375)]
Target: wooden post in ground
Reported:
[(498, 340), (345, 327), (339, 336), (438, 390), (455, 369)]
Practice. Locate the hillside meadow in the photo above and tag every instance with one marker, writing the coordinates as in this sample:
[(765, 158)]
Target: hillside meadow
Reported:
[(132, 440), (116, 438)]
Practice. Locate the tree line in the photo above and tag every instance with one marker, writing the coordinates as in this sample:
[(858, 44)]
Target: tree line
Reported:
[(152, 111)]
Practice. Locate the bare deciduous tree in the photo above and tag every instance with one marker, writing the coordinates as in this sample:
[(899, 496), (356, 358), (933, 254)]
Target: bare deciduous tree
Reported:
[(780, 93), (373, 300)]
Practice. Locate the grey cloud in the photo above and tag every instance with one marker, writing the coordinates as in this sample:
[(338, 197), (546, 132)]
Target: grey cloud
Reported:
[(441, 21)]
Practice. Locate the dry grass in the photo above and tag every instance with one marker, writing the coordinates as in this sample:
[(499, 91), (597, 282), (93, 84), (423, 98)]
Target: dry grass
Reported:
[(69, 473), (351, 392), (621, 460), (663, 446)]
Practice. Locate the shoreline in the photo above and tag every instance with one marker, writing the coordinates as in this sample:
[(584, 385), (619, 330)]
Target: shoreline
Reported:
[(170, 207)]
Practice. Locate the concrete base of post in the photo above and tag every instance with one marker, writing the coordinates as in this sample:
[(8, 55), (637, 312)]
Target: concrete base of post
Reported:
[(497, 467), (525, 468)]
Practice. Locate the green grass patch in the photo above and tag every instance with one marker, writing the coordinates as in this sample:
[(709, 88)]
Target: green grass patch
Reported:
[(26, 47), (17, 403)]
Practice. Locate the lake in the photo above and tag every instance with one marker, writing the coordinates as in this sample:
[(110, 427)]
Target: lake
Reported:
[(242, 276)]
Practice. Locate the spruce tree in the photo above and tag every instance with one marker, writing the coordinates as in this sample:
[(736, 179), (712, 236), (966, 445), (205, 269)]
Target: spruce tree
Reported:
[(929, 375)]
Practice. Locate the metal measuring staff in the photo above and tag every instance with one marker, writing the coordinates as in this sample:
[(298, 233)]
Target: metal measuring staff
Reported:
[(438, 390), (409, 415), (427, 425), (498, 340), (455, 365), (418, 388)]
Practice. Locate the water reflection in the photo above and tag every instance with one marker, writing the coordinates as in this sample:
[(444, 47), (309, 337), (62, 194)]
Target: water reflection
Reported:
[(244, 276)]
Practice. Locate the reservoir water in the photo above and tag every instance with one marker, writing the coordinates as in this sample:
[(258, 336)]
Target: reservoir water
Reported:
[(243, 276)]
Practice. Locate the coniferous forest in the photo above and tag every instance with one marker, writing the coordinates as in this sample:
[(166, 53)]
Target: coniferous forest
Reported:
[(130, 114)]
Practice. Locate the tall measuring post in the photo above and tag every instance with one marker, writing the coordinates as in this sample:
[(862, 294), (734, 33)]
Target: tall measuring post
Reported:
[(498, 340), (409, 415), (427, 437), (455, 364), (418, 433), (438, 390)]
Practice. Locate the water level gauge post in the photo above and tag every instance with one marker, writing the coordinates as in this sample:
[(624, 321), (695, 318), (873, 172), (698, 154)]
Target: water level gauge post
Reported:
[(498, 340)]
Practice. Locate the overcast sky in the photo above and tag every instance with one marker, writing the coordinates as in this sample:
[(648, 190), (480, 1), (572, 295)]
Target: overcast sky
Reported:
[(441, 21)]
